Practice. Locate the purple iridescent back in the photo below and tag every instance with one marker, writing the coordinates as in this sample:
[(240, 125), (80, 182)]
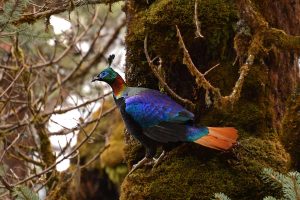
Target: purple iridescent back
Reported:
[(150, 107)]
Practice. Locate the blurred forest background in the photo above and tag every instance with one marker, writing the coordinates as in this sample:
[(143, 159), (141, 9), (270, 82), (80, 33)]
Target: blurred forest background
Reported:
[(232, 63), (54, 123)]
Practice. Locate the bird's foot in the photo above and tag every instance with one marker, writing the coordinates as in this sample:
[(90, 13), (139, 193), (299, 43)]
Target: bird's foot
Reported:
[(151, 162), (139, 164), (159, 159)]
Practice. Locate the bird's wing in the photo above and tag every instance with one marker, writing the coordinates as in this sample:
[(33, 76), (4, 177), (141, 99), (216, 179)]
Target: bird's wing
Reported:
[(161, 118), (165, 132)]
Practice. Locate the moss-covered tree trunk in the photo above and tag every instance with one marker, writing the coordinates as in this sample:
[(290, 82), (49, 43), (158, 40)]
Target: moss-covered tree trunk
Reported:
[(232, 31)]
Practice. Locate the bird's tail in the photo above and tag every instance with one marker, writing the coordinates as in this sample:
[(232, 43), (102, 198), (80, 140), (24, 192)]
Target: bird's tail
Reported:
[(220, 138)]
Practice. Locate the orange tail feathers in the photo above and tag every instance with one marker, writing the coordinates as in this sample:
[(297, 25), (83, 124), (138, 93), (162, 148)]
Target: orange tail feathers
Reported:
[(220, 138)]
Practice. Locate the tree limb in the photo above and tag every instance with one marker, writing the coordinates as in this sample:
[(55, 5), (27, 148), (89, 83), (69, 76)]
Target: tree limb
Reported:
[(47, 12), (187, 102)]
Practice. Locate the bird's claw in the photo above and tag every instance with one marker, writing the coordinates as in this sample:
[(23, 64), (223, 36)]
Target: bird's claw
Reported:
[(148, 161), (139, 164), (159, 159)]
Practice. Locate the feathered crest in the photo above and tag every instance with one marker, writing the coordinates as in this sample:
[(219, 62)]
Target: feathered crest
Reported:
[(110, 60)]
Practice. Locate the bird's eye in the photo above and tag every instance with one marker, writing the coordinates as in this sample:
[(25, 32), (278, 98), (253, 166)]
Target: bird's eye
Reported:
[(103, 74)]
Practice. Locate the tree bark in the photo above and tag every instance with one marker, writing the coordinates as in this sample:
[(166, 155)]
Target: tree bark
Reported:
[(232, 31)]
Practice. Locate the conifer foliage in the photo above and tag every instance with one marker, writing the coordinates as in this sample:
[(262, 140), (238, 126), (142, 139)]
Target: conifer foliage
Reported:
[(289, 183)]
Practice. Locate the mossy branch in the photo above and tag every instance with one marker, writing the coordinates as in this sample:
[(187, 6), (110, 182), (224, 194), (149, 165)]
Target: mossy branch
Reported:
[(268, 36), (253, 17), (219, 100), (154, 68), (281, 39)]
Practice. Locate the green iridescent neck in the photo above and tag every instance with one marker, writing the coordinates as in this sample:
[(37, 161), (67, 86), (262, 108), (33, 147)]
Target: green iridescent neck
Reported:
[(118, 86)]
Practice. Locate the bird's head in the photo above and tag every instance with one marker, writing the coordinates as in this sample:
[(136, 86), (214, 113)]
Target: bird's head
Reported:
[(108, 75)]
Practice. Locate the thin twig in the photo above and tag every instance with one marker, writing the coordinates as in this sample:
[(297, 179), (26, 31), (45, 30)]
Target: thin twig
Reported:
[(44, 13), (95, 157), (6, 184), (64, 157), (12, 83), (211, 69), (9, 146)]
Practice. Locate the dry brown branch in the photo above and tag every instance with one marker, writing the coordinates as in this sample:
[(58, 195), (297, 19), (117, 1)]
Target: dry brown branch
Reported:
[(6, 184), (101, 54), (11, 127), (61, 111), (213, 67), (69, 155), (46, 12), (20, 156), (85, 124), (153, 67), (13, 82), (9, 146), (65, 52)]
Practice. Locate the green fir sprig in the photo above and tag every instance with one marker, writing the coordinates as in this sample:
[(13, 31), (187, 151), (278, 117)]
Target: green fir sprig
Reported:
[(289, 183)]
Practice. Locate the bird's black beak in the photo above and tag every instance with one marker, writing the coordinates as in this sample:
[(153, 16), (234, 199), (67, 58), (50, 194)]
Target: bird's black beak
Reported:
[(96, 78)]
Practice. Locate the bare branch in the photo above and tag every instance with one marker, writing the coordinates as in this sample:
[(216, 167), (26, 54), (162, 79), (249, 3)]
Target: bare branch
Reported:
[(211, 69), (32, 17), (9, 146), (6, 184), (164, 84), (88, 135), (13, 82), (35, 87)]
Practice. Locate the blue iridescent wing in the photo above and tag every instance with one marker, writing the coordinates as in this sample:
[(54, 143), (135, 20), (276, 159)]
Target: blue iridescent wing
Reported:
[(150, 107), (161, 118)]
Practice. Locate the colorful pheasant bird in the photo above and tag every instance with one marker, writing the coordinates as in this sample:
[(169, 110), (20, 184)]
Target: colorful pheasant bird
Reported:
[(154, 119)]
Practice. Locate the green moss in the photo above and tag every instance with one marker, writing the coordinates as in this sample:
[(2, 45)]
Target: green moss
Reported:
[(193, 172), (254, 113), (170, 13), (133, 152), (158, 22)]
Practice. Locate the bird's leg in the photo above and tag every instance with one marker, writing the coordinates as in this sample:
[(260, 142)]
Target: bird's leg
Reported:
[(139, 164), (159, 159), (150, 162)]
